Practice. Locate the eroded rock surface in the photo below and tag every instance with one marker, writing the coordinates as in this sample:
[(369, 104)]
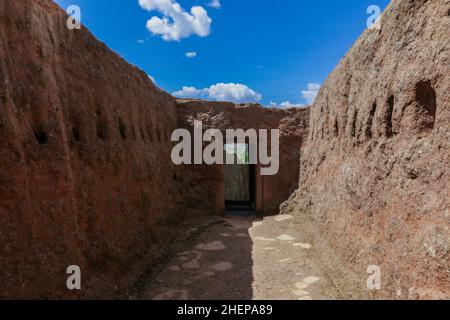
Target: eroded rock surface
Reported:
[(206, 182), (374, 177), (86, 177)]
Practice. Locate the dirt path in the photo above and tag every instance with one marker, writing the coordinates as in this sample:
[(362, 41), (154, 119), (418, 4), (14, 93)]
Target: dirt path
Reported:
[(244, 258)]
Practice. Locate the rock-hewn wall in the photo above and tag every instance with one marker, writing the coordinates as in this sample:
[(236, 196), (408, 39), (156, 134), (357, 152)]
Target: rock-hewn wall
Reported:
[(375, 178), (85, 176), (206, 182)]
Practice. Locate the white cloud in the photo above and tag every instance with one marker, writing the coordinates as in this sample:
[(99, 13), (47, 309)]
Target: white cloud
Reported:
[(215, 4), (233, 92), (191, 55), (286, 105), (176, 23), (191, 92), (311, 94)]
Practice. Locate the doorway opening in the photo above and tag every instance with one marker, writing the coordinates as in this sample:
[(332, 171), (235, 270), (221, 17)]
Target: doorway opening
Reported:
[(239, 181)]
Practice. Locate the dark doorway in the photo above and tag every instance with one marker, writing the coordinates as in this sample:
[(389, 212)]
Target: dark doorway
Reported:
[(240, 182)]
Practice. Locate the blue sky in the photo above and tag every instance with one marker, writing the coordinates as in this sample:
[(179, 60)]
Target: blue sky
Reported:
[(261, 50)]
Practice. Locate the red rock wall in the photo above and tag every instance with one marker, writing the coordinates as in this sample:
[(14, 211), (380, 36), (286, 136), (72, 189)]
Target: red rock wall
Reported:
[(375, 178), (85, 175), (206, 182)]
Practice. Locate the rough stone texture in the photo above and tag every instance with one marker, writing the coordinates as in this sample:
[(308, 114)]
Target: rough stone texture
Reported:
[(206, 182), (85, 175), (374, 177)]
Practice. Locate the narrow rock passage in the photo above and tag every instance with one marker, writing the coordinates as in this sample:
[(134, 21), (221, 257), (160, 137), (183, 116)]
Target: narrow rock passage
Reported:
[(244, 258)]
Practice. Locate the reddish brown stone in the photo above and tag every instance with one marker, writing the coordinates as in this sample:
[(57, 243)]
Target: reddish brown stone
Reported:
[(206, 183), (86, 176), (374, 178)]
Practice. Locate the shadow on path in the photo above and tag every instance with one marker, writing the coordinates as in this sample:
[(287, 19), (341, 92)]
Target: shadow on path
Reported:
[(244, 258), (218, 265)]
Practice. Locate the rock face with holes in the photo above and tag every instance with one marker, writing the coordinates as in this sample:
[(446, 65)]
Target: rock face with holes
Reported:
[(375, 178), (86, 177)]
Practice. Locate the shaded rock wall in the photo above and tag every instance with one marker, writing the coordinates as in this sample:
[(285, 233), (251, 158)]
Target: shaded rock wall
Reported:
[(85, 175), (206, 182), (374, 177)]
